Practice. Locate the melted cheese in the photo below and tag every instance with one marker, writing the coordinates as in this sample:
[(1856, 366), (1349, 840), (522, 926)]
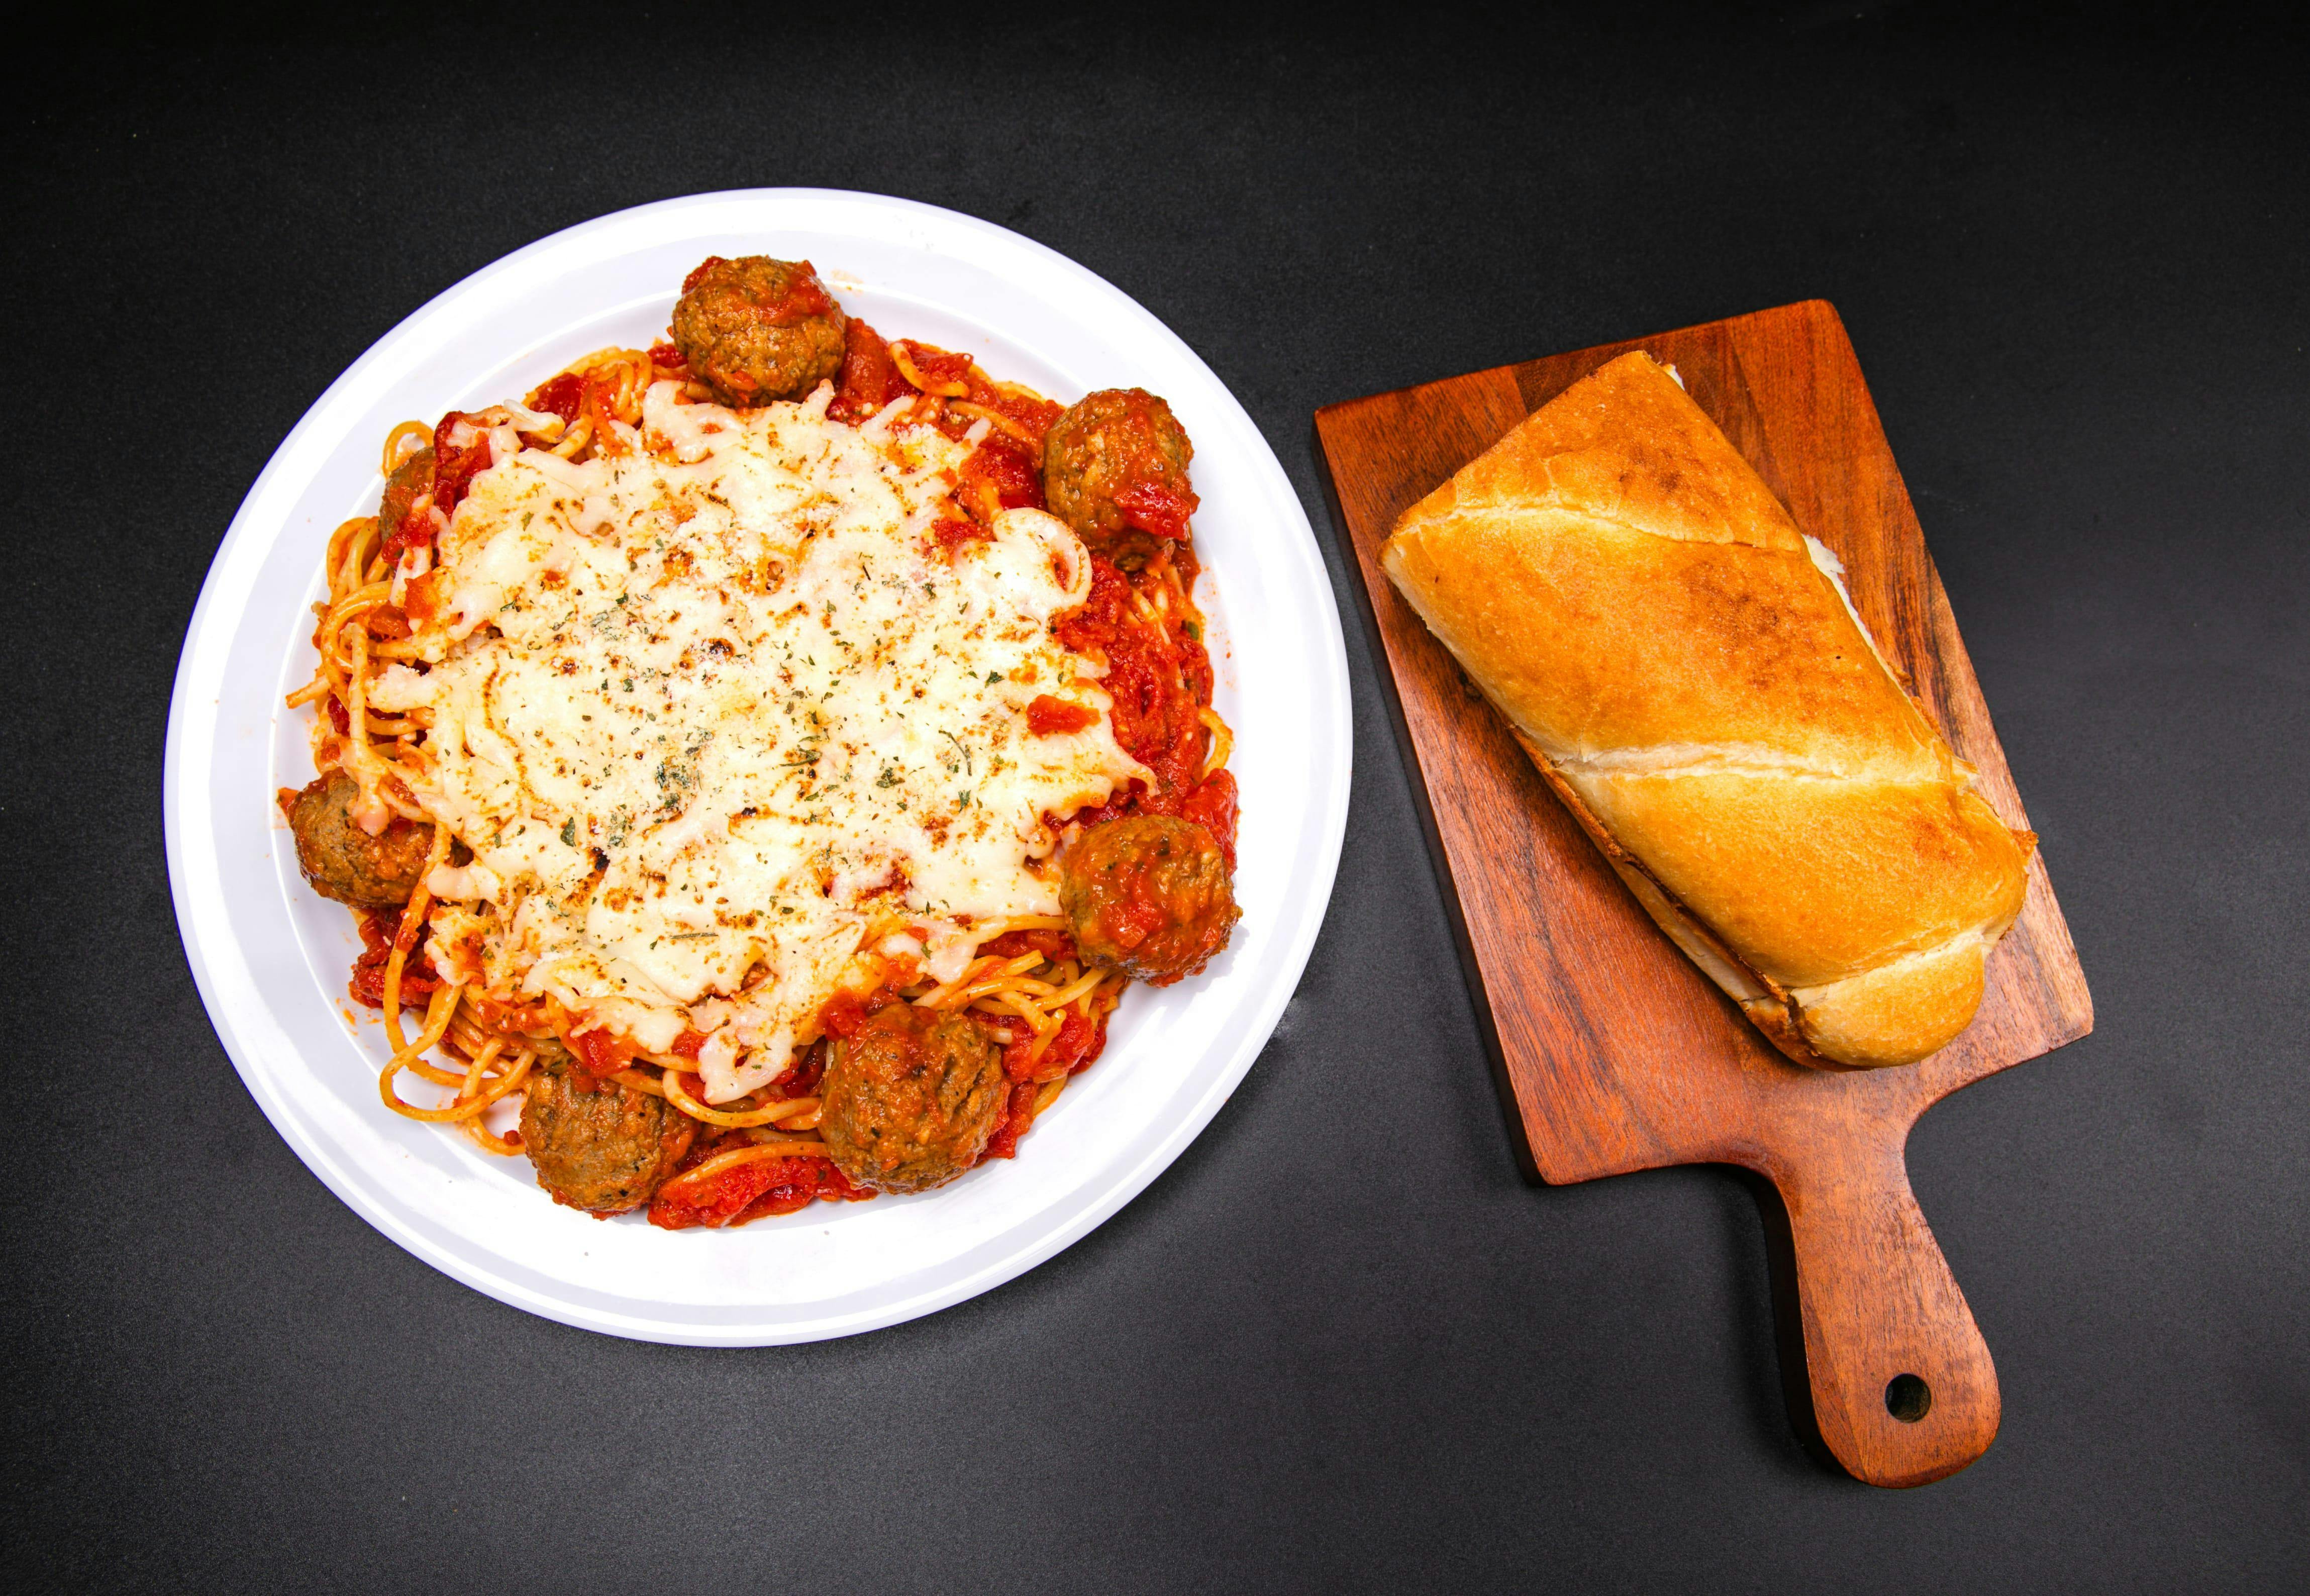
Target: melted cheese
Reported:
[(728, 734)]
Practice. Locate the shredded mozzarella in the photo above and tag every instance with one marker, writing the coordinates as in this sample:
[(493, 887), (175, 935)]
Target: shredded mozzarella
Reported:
[(729, 734)]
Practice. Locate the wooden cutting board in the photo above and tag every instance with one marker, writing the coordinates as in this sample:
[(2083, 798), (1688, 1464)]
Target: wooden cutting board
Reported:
[(1613, 1052)]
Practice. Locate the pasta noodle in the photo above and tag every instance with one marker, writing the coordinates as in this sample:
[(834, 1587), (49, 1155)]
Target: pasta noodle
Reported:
[(473, 1044)]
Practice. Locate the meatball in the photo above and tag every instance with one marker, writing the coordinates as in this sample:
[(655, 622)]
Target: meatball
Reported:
[(602, 1146), (344, 861), (411, 480), (1148, 896), (1115, 468), (756, 329), (910, 1099)]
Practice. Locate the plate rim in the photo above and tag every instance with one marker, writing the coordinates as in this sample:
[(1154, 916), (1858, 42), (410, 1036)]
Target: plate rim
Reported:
[(253, 532)]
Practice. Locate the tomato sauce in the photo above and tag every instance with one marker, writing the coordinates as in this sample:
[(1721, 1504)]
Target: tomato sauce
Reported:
[(599, 1052), (951, 535), (366, 987), (1159, 677), (871, 379), (806, 296), (1050, 944), (1081, 1040), (1156, 509), (455, 465), (1048, 716), (1001, 470), (564, 396), (844, 1016), (802, 1081), (1212, 806), (1018, 1118), (750, 1191)]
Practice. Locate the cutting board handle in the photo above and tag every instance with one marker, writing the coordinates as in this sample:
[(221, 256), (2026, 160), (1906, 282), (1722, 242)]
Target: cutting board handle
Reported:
[(1903, 1387)]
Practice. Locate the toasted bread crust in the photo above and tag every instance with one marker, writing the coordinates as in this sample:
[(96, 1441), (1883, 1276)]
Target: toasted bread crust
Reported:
[(1696, 689)]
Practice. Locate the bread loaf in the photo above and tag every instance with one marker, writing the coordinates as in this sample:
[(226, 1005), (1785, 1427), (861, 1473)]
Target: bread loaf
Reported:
[(1681, 663)]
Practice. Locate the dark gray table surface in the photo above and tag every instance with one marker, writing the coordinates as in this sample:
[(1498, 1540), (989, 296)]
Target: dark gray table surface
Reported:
[(1338, 1345)]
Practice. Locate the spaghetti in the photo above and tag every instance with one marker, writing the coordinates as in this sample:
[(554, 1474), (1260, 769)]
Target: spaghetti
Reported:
[(452, 955)]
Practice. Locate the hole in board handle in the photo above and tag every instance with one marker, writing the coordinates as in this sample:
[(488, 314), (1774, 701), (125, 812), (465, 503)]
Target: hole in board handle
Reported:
[(1908, 1398)]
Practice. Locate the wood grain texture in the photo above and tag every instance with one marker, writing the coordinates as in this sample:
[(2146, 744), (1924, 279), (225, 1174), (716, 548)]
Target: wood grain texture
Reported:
[(1615, 1052)]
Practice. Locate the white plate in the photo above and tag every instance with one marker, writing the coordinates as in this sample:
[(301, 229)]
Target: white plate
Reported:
[(270, 958)]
